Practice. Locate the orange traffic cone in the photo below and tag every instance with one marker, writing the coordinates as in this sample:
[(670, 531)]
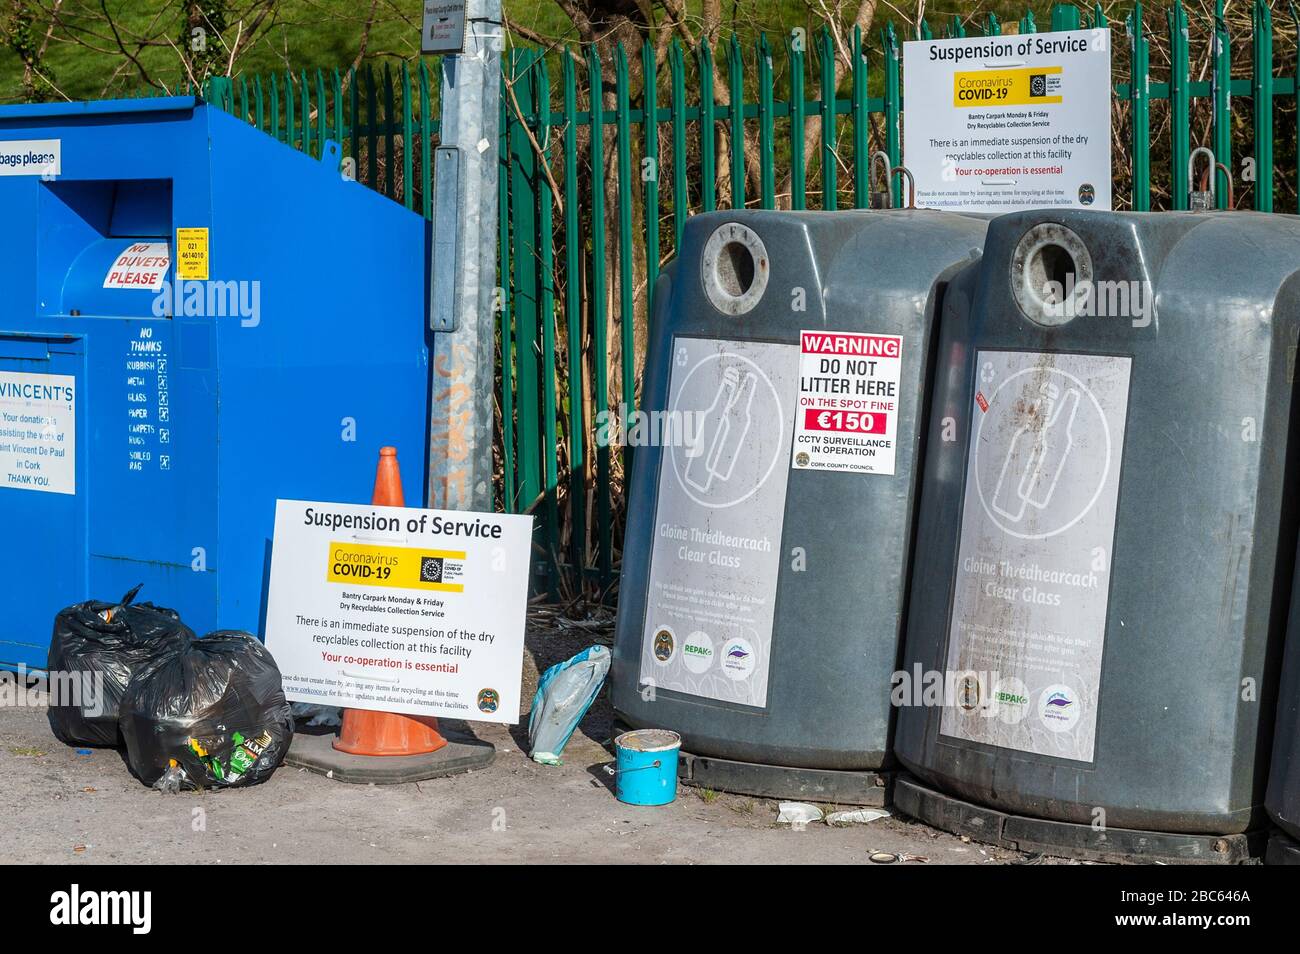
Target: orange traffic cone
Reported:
[(365, 732)]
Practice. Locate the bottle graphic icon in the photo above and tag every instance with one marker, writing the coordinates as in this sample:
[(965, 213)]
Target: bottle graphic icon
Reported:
[(1037, 455), (723, 430)]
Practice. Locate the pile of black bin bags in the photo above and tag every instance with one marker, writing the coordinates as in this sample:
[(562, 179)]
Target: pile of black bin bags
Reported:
[(193, 713)]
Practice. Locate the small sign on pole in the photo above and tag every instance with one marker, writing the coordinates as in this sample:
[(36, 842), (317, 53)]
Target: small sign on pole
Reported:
[(443, 29), (400, 610)]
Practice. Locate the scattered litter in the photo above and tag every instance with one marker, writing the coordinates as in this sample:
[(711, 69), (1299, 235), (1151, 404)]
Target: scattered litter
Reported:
[(883, 857), (859, 817), (798, 814), (801, 814), (172, 779), (564, 694), (85, 752), (597, 625), (311, 714), (78, 849)]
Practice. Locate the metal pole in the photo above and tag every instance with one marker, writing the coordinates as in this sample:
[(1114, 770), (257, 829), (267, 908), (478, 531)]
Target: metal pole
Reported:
[(464, 268)]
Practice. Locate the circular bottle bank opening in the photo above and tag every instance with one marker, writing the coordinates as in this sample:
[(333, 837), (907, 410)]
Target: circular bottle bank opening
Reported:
[(1051, 272), (734, 268)]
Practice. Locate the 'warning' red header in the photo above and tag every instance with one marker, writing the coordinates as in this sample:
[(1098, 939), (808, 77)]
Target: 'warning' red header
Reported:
[(870, 346)]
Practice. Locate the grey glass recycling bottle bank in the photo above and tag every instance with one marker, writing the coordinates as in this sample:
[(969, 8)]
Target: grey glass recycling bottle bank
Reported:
[(1107, 530), (769, 526)]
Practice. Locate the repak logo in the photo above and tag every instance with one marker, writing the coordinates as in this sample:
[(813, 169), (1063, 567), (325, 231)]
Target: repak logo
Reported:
[(75, 907)]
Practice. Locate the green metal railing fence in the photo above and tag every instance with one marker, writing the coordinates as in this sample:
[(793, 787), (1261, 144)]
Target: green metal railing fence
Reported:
[(374, 113), (600, 172)]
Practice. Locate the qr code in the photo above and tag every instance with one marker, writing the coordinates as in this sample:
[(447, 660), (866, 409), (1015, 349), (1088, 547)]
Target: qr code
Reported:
[(431, 569), (1038, 84)]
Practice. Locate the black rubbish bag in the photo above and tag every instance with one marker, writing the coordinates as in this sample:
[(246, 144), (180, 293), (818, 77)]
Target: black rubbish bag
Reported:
[(95, 650), (207, 714)]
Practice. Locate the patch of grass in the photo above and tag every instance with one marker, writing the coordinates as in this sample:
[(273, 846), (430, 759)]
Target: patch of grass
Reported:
[(26, 751), (307, 34)]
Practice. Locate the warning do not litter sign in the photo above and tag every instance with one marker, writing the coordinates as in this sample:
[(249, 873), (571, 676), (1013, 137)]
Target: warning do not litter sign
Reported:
[(847, 415)]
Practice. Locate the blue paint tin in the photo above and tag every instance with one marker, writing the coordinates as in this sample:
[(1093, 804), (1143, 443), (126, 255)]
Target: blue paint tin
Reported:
[(645, 766)]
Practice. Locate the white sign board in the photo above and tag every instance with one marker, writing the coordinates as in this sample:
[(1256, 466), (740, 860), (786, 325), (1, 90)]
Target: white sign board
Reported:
[(443, 26), (847, 419), (1033, 567), (31, 157), (38, 432), (1004, 123), (721, 508), (400, 610), (141, 265)]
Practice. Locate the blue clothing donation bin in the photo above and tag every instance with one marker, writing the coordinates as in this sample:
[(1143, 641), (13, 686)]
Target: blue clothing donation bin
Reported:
[(197, 320)]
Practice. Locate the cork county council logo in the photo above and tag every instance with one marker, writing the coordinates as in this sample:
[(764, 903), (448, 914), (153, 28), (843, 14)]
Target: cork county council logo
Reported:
[(488, 700), (664, 645), (1087, 194)]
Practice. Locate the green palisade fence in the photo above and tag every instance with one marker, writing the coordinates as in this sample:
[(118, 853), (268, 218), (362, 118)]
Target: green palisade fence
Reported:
[(599, 172)]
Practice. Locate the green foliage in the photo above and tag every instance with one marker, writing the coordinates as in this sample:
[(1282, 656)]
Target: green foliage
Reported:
[(140, 44), (89, 64), (23, 40), (203, 23)]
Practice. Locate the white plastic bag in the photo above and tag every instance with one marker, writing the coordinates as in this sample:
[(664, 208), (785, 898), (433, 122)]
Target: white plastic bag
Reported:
[(564, 694)]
